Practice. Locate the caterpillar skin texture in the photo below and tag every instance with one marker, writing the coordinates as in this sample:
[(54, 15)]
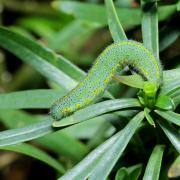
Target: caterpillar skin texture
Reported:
[(117, 55)]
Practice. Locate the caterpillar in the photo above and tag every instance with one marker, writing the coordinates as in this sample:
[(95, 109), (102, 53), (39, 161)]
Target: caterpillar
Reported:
[(117, 55)]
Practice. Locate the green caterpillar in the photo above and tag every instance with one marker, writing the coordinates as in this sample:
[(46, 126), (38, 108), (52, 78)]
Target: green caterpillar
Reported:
[(117, 55)]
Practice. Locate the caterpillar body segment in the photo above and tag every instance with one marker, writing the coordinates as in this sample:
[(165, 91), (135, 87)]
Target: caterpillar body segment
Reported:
[(117, 55)]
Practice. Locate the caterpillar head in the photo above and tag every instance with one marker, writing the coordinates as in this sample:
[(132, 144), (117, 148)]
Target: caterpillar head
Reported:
[(55, 112)]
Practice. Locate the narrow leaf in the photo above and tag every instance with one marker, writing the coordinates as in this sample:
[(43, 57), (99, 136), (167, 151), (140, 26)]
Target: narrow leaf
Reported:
[(150, 27), (135, 171), (87, 165), (132, 80), (78, 30), (64, 144), (165, 103), (115, 26), (170, 116), (122, 174), (172, 134), (177, 99), (32, 151), (39, 129), (129, 173), (154, 164), (171, 81), (30, 99), (96, 110), (59, 142), (110, 157), (148, 117), (27, 133), (178, 6), (95, 13), (41, 58)]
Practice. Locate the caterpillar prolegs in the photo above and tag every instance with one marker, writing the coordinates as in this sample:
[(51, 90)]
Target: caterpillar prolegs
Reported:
[(117, 55)]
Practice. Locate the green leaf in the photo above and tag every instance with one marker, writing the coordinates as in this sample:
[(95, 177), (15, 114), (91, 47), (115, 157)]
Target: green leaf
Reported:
[(43, 98), (21, 30), (96, 110), (175, 94), (177, 99), (17, 118), (59, 142), (39, 25), (78, 31), (42, 128), (87, 165), (132, 80), (36, 153), (154, 164), (171, 88), (100, 135), (115, 26), (150, 27), (171, 82), (172, 134), (174, 170), (41, 58), (122, 174), (68, 68), (148, 117), (88, 129), (64, 144), (166, 11), (165, 102), (110, 157), (129, 173), (96, 13), (124, 3), (134, 171), (27, 133), (170, 116), (178, 6)]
